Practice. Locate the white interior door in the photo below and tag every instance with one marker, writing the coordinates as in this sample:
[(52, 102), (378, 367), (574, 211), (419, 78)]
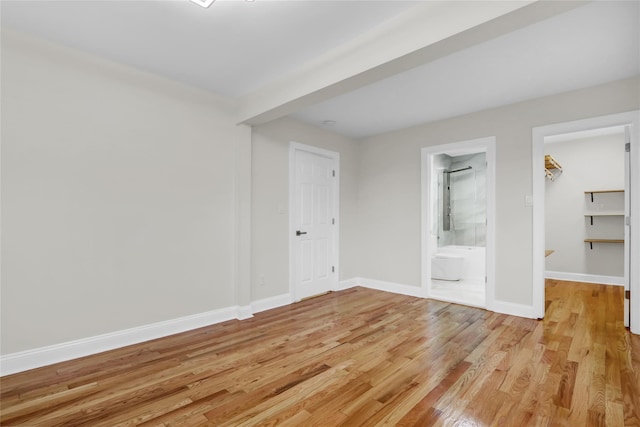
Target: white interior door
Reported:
[(313, 221)]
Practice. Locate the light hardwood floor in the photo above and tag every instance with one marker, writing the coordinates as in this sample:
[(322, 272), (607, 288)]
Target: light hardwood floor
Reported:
[(358, 357)]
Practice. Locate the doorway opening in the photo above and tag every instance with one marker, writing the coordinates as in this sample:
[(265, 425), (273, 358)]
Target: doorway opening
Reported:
[(606, 209), (585, 207), (458, 222)]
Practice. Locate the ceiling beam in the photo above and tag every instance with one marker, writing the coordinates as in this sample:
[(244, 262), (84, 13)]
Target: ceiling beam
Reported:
[(423, 34)]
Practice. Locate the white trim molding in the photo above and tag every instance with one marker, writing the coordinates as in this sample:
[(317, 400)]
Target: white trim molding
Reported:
[(396, 288), (513, 309), (585, 278), (348, 284), (43, 356), (244, 312), (478, 145), (502, 307), (271, 303)]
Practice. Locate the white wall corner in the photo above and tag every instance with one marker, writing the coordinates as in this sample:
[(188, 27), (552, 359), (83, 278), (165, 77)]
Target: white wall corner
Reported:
[(242, 224), (585, 278), (513, 309), (43, 356), (396, 288), (271, 302)]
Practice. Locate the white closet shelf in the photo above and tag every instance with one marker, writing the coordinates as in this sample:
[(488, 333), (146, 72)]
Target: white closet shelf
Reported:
[(602, 213), (592, 241), (592, 192), (605, 213)]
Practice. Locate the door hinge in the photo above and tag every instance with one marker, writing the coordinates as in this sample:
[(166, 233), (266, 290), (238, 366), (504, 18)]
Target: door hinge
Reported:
[(333, 269), (334, 173), (627, 220), (333, 221), (627, 147), (627, 294)]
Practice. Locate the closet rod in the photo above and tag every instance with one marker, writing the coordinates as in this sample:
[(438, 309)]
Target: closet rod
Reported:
[(459, 170)]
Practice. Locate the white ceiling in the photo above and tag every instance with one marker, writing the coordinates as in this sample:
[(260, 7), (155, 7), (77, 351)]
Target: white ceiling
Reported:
[(231, 48), (238, 48)]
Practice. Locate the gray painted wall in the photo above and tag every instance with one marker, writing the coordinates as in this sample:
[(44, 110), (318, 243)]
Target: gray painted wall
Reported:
[(117, 197)]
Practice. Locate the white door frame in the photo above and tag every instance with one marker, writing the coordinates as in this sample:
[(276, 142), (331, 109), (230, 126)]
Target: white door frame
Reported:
[(487, 145), (632, 119), (335, 157)]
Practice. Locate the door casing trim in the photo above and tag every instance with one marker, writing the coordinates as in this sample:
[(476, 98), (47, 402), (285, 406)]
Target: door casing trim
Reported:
[(488, 146)]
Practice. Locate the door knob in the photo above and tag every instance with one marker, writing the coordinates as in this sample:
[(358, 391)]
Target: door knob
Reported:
[(300, 233)]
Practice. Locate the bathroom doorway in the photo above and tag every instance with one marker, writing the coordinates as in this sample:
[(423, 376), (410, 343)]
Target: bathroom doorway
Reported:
[(458, 222)]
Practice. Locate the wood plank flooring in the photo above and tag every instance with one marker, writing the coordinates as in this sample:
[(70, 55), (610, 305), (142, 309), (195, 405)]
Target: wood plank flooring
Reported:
[(358, 357)]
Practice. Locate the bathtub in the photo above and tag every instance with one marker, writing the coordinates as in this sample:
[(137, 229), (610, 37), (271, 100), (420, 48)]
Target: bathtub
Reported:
[(474, 259)]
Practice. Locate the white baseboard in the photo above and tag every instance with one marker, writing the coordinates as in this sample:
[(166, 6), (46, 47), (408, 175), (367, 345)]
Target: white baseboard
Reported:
[(244, 312), (43, 356), (514, 309), (503, 307), (272, 302), (456, 301), (586, 278), (396, 288), (348, 283)]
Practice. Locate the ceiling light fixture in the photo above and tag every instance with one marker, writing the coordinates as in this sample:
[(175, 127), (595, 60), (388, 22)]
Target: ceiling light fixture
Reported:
[(203, 3), (328, 122)]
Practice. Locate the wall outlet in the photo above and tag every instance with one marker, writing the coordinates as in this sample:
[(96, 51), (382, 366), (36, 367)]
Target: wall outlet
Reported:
[(528, 200), (261, 281)]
